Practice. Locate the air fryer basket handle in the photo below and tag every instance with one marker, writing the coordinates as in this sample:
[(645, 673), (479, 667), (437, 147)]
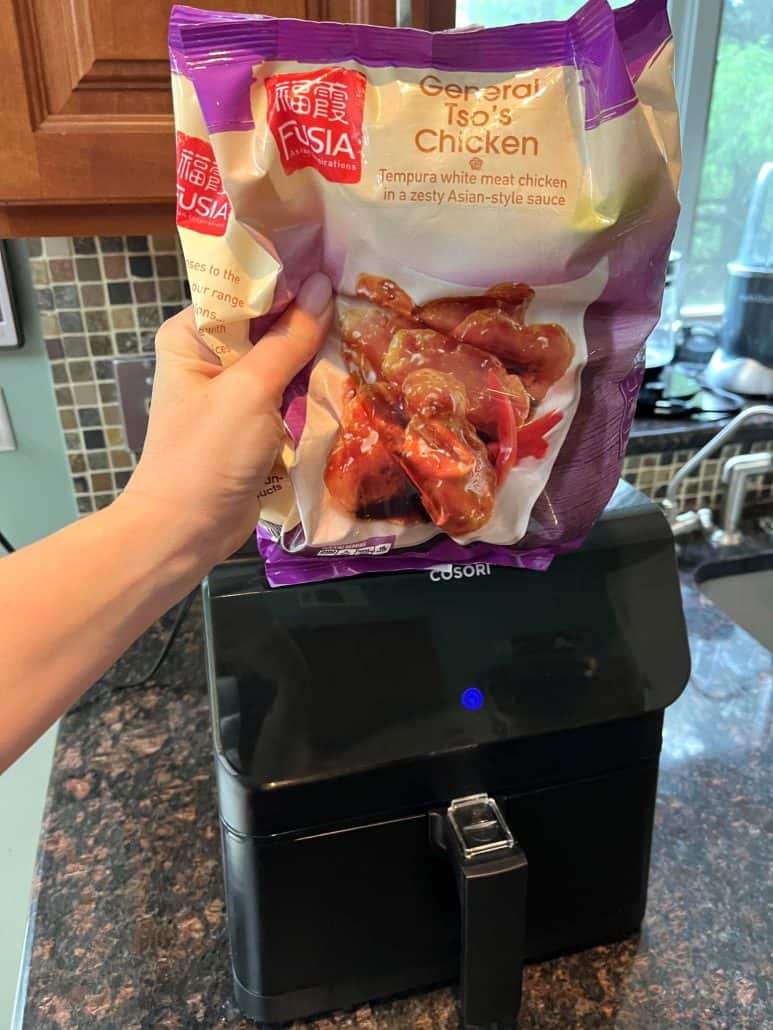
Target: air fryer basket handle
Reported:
[(491, 876)]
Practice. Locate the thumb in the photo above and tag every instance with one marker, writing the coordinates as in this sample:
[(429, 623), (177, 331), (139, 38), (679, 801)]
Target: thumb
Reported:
[(294, 339)]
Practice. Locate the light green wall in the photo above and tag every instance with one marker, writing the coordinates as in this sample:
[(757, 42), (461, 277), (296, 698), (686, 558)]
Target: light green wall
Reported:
[(36, 495), (36, 498), (23, 790)]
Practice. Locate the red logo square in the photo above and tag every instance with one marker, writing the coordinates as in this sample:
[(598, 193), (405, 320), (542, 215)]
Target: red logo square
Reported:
[(201, 200), (316, 120)]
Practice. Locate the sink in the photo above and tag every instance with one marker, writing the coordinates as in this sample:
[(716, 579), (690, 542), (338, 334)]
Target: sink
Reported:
[(743, 588)]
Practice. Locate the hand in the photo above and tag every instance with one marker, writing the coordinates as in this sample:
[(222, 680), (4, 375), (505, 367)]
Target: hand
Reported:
[(214, 433)]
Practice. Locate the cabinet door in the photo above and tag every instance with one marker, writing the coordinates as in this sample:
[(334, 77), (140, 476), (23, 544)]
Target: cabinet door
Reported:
[(86, 108)]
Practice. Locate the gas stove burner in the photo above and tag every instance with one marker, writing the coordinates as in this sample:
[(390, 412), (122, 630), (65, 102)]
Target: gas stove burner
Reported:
[(680, 391)]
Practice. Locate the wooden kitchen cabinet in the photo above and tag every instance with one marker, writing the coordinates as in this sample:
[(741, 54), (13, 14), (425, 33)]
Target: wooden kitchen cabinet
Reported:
[(87, 132)]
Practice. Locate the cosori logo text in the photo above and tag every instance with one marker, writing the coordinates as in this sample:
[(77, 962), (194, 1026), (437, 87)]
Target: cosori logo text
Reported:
[(443, 573)]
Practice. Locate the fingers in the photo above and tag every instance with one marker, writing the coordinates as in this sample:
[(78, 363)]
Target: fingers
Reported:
[(274, 360), (179, 338), (293, 340)]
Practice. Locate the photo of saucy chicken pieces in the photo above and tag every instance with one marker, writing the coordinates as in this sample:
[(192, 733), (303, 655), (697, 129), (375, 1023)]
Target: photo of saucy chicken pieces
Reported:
[(441, 402)]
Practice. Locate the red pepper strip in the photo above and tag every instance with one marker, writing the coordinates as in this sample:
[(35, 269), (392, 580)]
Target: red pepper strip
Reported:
[(507, 455), (531, 437)]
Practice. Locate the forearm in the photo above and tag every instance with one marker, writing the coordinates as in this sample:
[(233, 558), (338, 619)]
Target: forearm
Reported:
[(71, 604)]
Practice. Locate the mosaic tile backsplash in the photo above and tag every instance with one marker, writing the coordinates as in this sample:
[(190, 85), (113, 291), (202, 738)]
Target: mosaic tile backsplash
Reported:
[(651, 473), (100, 298), (105, 297)]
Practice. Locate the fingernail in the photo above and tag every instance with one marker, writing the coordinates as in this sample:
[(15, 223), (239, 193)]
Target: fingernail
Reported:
[(315, 293)]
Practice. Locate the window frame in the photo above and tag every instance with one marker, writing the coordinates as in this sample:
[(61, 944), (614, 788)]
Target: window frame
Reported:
[(696, 26)]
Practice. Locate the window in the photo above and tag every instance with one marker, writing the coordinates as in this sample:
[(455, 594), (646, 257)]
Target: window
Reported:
[(738, 142), (506, 12), (725, 86)]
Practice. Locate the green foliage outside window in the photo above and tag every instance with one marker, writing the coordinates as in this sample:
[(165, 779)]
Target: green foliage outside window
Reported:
[(739, 142)]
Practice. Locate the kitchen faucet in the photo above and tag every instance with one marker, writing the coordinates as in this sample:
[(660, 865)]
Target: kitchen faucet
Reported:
[(735, 474)]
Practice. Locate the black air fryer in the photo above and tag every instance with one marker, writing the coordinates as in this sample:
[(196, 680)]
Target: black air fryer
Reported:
[(429, 776)]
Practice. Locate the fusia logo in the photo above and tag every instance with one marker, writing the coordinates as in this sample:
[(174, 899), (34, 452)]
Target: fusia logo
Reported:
[(316, 120), (202, 203)]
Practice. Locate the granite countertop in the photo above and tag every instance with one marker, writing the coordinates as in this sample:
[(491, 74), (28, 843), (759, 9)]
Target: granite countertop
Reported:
[(653, 435), (128, 927)]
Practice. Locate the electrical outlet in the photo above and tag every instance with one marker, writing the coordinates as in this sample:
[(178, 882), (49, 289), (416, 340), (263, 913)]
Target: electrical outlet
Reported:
[(134, 376)]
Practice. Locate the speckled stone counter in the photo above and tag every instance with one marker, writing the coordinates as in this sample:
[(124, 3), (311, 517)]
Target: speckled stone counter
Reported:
[(128, 925), (651, 435)]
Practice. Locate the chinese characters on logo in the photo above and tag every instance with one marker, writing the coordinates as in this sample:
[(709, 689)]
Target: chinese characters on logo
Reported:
[(320, 99), (198, 170)]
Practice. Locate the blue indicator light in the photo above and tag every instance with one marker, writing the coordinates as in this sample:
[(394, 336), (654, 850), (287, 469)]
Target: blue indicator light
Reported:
[(472, 698)]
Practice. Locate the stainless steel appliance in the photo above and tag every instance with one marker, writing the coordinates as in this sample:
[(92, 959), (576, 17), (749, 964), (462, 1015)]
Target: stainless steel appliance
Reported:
[(744, 360), (661, 344)]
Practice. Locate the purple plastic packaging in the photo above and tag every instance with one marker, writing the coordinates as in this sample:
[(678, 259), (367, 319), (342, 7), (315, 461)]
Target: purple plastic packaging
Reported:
[(495, 209)]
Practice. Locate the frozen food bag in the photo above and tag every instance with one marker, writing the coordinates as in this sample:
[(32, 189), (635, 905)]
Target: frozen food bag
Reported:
[(495, 209)]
